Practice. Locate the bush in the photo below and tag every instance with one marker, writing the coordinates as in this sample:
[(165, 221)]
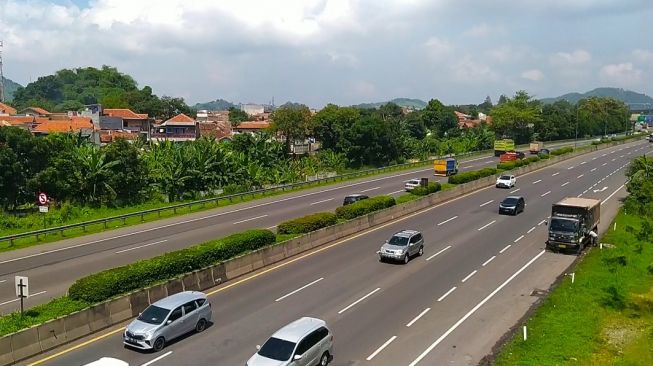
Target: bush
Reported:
[(364, 207), (112, 282), (307, 223), (562, 150), (543, 156), (532, 159), (423, 191), (57, 307), (471, 175)]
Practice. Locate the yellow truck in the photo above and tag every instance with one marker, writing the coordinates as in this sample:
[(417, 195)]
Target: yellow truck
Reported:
[(445, 167), (503, 146)]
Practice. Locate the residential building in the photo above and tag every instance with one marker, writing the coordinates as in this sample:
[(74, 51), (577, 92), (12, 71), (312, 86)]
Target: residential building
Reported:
[(252, 109), (36, 112), (251, 127), (82, 125), (178, 128), (466, 120), (7, 110)]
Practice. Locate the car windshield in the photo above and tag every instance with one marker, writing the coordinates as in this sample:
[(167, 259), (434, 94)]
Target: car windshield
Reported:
[(153, 315), (401, 241), (510, 201), (561, 225), (505, 177), (277, 349)]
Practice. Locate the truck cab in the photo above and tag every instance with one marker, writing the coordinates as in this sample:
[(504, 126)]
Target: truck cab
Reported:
[(573, 220)]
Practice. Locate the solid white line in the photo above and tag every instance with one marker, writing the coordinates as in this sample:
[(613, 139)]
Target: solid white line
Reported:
[(612, 194), (564, 184), (483, 227), (469, 276), (447, 293), (537, 181), (447, 220), (417, 317), (474, 309), (250, 219), (489, 260), (14, 300), (483, 204), (516, 190), (157, 359), (438, 253), (554, 174), (299, 289), (580, 176), (593, 170), (326, 200), (359, 300), (141, 246), (531, 230), (518, 239), (541, 222), (399, 191), (545, 193), (384, 345), (370, 189), (505, 248)]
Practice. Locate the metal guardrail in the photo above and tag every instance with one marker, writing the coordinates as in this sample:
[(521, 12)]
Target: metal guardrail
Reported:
[(238, 196)]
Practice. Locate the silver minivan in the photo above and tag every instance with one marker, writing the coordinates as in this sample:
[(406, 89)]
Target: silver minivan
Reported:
[(168, 319), (402, 246), (304, 342)]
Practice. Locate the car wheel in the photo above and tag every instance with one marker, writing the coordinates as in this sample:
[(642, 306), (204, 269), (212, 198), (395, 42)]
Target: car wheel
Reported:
[(381, 259), (324, 360), (200, 326), (158, 345), (406, 258), (421, 251)]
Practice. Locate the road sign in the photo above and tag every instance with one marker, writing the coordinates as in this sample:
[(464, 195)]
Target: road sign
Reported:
[(43, 209), (22, 286), (43, 198)]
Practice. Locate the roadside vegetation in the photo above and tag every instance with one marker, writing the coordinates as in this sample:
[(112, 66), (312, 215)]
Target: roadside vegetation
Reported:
[(606, 316)]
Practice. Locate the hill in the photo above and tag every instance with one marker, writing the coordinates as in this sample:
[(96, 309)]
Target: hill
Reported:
[(10, 89), (402, 102), (633, 99), (216, 105)]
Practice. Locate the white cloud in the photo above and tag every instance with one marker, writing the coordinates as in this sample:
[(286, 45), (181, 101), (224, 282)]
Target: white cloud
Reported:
[(643, 55), (576, 57), (466, 69), (534, 75), (621, 74), (438, 49)]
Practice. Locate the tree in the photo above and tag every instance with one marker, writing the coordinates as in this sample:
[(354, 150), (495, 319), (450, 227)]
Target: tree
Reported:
[(171, 106), (516, 117), (93, 171), (371, 142), (558, 122), (129, 175), (331, 124), (438, 118), (294, 123), (237, 115)]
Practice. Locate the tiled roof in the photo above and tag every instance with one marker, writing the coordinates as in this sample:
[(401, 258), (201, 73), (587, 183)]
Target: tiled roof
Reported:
[(123, 113), (110, 135), (217, 130), (180, 119), (252, 125), (74, 124), (7, 109), (40, 111), (17, 120)]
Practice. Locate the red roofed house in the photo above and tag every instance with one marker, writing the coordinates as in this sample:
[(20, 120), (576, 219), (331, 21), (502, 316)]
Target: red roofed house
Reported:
[(178, 128), (36, 112), (251, 127), (73, 124), (135, 122), (6, 110)]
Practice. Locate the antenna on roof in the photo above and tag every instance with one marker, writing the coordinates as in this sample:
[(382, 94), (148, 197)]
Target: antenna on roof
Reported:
[(2, 78)]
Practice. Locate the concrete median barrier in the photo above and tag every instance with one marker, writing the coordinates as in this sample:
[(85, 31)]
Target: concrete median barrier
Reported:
[(174, 286), (138, 301), (219, 273), (120, 309), (77, 325), (25, 343), (205, 279), (52, 334), (99, 317), (157, 292), (6, 353), (238, 266), (273, 254), (190, 282)]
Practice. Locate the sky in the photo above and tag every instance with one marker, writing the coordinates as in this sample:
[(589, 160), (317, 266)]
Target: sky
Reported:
[(338, 51)]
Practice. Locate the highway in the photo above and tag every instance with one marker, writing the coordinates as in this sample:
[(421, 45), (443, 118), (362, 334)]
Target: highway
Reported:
[(450, 306), (53, 267)]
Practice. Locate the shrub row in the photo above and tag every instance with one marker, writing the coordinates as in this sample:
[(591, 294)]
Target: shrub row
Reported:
[(112, 282), (509, 165), (364, 207), (306, 224), (423, 191), (472, 175), (562, 150)]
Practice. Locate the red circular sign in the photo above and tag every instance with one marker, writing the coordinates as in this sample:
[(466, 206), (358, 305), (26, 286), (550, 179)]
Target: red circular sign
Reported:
[(43, 198)]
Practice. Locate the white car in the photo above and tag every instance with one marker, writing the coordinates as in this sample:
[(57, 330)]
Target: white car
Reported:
[(108, 361), (506, 181), (413, 183)]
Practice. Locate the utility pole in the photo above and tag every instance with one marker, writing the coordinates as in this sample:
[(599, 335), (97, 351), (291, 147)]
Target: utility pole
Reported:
[(2, 78)]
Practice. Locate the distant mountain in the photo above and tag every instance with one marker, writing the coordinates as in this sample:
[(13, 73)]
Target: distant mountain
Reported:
[(216, 105), (10, 89), (402, 102), (633, 99)]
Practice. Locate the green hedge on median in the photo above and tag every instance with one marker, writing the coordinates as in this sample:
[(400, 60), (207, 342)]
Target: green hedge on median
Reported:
[(364, 207), (112, 282), (424, 191), (562, 150), (471, 175), (306, 224)]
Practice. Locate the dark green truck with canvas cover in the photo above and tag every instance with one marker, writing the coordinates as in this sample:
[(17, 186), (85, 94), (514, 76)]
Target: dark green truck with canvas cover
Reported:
[(574, 224)]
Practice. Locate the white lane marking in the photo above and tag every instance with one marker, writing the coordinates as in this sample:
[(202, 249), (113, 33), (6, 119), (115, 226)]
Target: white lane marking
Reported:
[(271, 227), (370, 189), (399, 191), (593, 169), (585, 191), (489, 260), (359, 300), (141, 246), (570, 168), (564, 184), (447, 293), (583, 163), (554, 174), (516, 190), (580, 176), (469, 276), (541, 222), (604, 164), (447, 220), (612, 194), (486, 203), (384, 345), (594, 158), (518, 239), (621, 156), (614, 159), (505, 248), (473, 310), (157, 359), (537, 181), (545, 193), (1, 281), (469, 166), (299, 289), (14, 300), (486, 225), (531, 230), (250, 219), (322, 201), (417, 317), (438, 253)]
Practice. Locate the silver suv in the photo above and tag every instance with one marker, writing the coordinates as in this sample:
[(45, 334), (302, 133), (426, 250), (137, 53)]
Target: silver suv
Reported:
[(168, 319), (402, 246), (304, 342)]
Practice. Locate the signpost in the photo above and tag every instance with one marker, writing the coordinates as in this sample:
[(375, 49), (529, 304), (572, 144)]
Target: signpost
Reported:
[(43, 206), (22, 290)]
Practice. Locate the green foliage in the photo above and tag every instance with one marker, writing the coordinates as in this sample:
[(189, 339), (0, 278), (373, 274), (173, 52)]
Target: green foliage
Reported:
[(237, 115), (471, 175), (423, 191), (364, 207), (39, 314), (640, 186), (112, 282), (293, 122), (562, 151), (307, 223), (515, 117)]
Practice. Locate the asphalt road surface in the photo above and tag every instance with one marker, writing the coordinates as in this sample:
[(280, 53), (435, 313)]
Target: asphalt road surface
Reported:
[(53, 267), (450, 306)]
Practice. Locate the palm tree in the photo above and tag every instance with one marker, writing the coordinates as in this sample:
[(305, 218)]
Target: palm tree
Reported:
[(93, 173)]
